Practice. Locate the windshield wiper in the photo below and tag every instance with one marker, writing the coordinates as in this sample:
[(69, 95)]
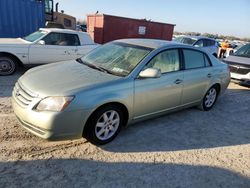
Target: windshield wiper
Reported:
[(96, 67), (102, 69)]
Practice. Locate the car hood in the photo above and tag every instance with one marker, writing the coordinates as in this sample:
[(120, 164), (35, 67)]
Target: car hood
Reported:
[(238, 60), (62, 78), (10, 41)]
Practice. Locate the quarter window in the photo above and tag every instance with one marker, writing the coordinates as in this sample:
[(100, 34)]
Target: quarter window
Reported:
[(166, 61), (194, 59), (207, 62)]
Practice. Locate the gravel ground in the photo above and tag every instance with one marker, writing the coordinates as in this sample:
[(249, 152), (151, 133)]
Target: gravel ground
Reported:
[(189, 148)]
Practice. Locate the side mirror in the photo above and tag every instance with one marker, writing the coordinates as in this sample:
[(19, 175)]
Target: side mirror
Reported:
[(41, 42), (150, 73)]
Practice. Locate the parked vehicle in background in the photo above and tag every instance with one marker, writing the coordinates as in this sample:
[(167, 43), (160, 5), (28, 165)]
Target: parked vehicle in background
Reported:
[(209, 45), (116, 84), (239, 63), (44, 46), (82, 27)]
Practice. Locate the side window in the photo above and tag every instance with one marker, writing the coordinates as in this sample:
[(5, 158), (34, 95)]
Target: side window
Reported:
[(71, 39), (193, 59), (61, 39), (199, 43), (212, 43), (52, 39), (67, 22), (209, 42), (167, 61)]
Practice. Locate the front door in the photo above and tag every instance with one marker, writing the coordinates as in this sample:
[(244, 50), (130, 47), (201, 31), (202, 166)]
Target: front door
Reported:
[(153, 95), (57, 47)]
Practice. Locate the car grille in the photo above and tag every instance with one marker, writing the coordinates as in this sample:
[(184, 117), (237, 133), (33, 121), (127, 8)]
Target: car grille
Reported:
[(239, 68), (22, 96)]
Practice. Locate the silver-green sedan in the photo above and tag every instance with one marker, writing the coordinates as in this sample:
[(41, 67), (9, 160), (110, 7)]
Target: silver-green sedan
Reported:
[(119, 83)]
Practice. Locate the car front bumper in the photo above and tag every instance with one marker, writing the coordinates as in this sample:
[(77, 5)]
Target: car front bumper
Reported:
[(241, 78), (51, 125)]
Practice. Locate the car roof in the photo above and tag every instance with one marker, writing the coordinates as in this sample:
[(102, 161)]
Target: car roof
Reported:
[(198, 37), (149, 43), (59, 30)]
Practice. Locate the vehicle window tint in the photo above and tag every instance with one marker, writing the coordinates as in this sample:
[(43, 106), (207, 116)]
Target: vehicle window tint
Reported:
[(193, 59), (70, 39), (67, 22), (244, 51), (189, 41), (207, 62), (199, 43), (212, 42), (166, 61), (61, 39), (52, 38), (208, 42)]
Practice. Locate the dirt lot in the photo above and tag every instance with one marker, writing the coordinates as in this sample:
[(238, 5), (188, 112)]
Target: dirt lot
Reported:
[(184, 149)]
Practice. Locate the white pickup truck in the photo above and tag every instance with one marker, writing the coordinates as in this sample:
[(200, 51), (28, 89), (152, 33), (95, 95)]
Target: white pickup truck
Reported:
[(44, 46)]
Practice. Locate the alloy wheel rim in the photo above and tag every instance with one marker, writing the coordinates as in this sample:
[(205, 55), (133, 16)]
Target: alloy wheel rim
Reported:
[(210, 97), (107, 125)]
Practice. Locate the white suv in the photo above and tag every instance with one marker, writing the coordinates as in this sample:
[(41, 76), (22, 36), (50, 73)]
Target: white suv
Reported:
[(209, 45)]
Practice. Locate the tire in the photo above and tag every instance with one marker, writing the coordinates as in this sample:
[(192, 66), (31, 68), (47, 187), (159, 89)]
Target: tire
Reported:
[(104, 125), (8, 65), (209, 99)]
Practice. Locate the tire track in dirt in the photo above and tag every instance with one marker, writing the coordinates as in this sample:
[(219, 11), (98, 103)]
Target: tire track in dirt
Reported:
[(51, 149)]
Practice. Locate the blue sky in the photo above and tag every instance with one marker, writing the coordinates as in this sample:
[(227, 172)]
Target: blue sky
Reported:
[(227, 17)]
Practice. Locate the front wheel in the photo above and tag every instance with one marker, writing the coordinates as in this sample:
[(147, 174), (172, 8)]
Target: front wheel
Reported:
[(7, 66), (209, 99), (104, 125)]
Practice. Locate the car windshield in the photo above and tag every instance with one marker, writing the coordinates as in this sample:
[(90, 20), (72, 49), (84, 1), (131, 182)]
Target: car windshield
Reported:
[(116, 58), (34, 36), (186, 40), (244, 51)]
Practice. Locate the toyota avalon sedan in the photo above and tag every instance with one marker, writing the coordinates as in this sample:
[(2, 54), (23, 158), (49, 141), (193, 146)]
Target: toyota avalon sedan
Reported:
[(116, 84)]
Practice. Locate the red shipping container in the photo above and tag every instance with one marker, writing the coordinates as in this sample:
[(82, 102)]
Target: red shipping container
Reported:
[(104, 28)]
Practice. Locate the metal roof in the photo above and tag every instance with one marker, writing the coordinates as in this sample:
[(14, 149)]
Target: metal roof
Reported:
[(150, 43)]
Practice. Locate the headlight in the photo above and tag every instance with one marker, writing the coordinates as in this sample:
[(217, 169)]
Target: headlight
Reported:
[(56, 104)]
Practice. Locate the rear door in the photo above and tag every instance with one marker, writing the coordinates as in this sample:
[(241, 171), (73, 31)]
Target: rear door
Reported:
[(153, 95), (57, 47), (197, 75)]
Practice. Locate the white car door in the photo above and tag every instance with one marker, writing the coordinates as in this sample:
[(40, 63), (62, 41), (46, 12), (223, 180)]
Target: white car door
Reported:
[(54, 47)]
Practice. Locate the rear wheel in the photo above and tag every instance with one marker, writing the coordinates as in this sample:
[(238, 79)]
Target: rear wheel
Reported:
[(104, 125), (209, 99), (7, 65)]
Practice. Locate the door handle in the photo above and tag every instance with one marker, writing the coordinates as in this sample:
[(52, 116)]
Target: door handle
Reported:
[(209, 75), (178, 81)]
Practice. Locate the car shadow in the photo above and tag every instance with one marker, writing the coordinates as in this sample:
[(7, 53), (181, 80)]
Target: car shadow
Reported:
[(224, 125), (8, 82), (87, 173)]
